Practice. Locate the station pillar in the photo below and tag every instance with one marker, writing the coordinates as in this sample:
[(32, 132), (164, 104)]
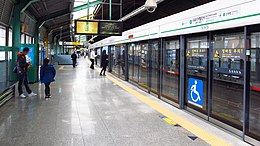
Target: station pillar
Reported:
[(16, 37), (35, 68)]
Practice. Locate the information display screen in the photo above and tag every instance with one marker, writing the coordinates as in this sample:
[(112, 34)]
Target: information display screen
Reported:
[(110, 28), (94, 27)]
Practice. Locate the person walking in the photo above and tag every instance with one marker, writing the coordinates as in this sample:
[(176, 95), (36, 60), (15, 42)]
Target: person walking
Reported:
[(74, 59), (21, 69), (104, 63), (47, 75), (92, 58)]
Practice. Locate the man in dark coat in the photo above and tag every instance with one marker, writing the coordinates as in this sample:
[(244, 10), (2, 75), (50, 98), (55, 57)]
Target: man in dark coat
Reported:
[(22, 68), (74, 59)]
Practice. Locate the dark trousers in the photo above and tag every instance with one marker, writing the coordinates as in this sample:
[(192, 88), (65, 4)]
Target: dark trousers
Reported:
[(23, 79), (47, 89), (74, 63), (92, 63), (123, 68), (104, 68)]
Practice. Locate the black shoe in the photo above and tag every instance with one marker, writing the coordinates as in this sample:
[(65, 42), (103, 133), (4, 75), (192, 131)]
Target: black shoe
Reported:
[(104, 75), (100, 74)]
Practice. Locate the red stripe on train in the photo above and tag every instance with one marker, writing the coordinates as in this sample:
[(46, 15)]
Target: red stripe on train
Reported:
[(255, 88)]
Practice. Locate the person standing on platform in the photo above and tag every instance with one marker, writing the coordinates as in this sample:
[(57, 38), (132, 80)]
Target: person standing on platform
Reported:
[(74, 59), (21, 69), (104, 63), (47, 75), (92, 58)]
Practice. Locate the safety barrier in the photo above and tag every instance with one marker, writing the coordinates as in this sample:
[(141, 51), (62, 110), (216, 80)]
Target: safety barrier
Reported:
[(8, 94)]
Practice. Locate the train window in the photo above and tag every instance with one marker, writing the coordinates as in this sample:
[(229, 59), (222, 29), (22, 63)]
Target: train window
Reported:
[(253, 60), (2, 36)]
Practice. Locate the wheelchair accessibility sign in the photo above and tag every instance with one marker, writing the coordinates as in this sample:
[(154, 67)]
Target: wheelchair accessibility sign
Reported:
[(195, 92)]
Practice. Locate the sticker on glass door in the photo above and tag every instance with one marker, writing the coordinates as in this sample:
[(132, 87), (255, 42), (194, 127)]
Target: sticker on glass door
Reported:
[(195, 95)]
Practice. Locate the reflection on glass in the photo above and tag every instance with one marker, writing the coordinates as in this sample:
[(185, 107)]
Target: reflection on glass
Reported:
[(122, 61), (154, 65), (254, 102), (170, 77), (227, 85), (116, 60), (196, 66), (131, 61), (136, 62), (143, 77), (112, 57)]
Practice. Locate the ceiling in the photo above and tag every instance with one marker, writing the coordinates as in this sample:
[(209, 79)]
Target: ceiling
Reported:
[(49, 10), (165, 8), (57, 13)]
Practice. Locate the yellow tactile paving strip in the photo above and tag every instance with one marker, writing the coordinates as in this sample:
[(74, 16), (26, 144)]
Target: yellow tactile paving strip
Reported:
[(61, 67), (201, 133)]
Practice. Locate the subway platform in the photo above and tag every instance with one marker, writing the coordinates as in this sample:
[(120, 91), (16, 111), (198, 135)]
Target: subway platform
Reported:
[(88, 109)]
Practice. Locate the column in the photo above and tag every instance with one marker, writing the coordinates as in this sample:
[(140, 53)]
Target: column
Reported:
[(16, 37)]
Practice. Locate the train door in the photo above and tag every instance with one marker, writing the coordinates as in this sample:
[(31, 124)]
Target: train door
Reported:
[(122, 61), (196, 73), (131, 61), (143, 75), (253, 124), (154, 67), (113, 58), (170, 72), (136, 63), (116, 60), (228, 79)]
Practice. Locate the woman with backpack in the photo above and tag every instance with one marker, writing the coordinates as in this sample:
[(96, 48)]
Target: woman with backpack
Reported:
[(47, 75)]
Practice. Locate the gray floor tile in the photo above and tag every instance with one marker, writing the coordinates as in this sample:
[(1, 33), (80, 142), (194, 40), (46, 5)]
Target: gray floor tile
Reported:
[(86, 110)]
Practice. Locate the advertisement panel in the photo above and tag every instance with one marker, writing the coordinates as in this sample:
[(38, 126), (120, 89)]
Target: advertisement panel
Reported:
[(86, 27), (30, 57), (94, 27)]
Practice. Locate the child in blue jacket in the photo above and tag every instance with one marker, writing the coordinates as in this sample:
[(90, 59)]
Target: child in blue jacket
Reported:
[(47, 75)]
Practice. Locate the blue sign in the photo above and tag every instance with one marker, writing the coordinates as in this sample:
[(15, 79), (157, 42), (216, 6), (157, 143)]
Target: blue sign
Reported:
[(30, 55), (195, 92)]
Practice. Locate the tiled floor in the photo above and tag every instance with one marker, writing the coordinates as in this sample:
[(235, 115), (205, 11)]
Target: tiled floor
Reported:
[(86, 109)]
